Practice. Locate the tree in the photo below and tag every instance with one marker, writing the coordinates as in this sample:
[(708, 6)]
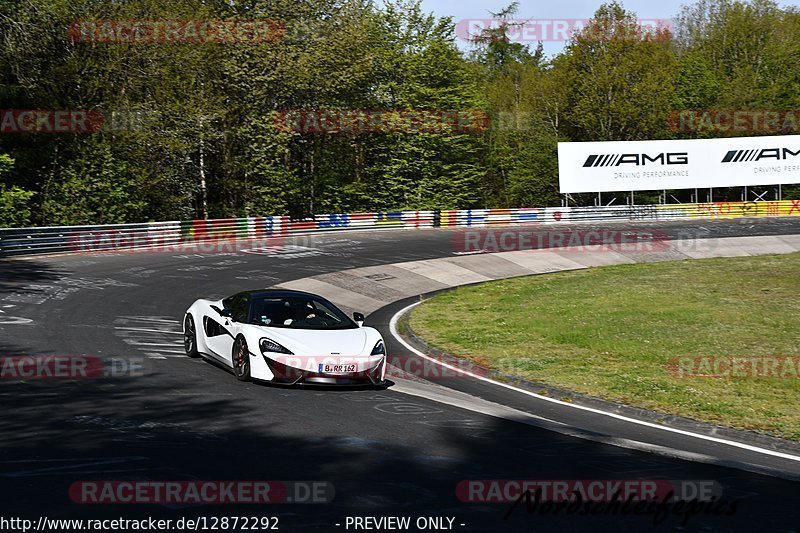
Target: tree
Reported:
[(94, 188), (526, 105), (619, 78), (14, 201)]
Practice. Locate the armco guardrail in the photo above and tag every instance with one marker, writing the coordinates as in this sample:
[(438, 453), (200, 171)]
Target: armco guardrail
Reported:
[(174, 235), (50, 240)]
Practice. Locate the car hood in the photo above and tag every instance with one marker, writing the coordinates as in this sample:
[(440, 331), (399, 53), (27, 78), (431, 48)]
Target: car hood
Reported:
[(350, 342)]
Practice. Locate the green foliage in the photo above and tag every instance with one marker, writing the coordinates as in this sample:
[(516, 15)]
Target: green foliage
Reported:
[(14, 201), (211, 146), (619, 80), (697, 85), (6, 164), (93, 188), (14, 207), (497, 51)]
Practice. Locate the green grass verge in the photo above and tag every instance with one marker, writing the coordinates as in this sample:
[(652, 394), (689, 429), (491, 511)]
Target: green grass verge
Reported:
[(610, 332)]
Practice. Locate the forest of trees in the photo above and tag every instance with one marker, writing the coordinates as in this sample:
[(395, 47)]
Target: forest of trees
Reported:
[(208, 145)]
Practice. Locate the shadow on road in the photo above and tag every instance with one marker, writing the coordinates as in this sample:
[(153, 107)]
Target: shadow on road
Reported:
[(173, 427), (15, 273)]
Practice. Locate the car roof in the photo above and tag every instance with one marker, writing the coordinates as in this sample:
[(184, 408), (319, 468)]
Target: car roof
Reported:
[(281, 293)]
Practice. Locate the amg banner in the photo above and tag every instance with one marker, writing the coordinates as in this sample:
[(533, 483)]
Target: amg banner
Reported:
[(683, 164)]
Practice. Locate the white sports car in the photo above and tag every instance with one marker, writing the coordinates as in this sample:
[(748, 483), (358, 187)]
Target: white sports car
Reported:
[(285, 337)]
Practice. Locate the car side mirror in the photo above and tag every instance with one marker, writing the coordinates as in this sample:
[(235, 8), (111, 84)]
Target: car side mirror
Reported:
[(226, 313), (359, 318)]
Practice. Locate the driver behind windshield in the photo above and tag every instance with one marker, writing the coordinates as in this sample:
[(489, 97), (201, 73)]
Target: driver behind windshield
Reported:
[(305, 314), (297, 313)]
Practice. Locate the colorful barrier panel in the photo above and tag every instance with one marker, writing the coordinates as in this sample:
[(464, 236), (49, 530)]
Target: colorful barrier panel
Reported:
[(177, 234), (735, 209)]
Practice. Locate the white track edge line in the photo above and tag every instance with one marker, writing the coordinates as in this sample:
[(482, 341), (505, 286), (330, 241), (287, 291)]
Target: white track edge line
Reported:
[(393, 328)]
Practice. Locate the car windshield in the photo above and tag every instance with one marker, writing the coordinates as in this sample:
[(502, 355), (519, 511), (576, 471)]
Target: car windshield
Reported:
[(298, 313)]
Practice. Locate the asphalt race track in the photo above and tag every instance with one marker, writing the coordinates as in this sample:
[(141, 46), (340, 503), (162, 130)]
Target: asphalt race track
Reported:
[(393, 452)]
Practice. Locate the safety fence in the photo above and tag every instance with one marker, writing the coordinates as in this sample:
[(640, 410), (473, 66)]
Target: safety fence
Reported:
[(173, 235)]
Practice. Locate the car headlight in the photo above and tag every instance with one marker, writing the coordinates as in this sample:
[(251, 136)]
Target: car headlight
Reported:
[(379, 349), (270, 346)]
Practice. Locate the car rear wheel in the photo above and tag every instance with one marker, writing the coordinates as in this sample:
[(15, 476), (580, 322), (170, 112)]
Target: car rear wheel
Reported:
[(241, 359), (190, 337)]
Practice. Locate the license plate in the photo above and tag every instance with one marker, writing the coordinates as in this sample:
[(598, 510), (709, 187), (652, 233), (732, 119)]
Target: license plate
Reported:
[(337, 369)]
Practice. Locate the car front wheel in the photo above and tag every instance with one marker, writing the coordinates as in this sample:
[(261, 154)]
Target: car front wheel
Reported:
[(190, 337), (241, 359)]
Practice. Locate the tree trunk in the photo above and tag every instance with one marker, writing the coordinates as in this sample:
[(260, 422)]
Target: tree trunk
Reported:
[(203, 187)]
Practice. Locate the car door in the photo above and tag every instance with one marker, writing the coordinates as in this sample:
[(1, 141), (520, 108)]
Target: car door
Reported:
[(221, 331)]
